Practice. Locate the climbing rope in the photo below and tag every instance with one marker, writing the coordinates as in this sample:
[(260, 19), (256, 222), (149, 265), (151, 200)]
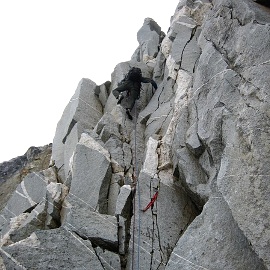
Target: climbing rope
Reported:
[(137, 189), (136, 186), (139, 192)]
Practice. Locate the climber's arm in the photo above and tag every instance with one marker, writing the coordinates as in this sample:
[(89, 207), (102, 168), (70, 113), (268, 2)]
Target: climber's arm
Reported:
[(147, 80), (123, 87)]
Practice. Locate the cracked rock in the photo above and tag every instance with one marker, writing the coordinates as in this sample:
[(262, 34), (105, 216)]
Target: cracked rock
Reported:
[(28, 194), (123, 204), (41, 251), (91, 175), (149, 38), (207, 245), (196, 152), (100, 229), (158, 233), (75, 117)]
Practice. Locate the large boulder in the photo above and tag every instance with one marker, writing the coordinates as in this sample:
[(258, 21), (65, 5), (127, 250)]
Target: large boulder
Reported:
[(13, 171), (74, 121), (149, 37), (29, 193), (214, 241), (35, 204), (100, 229), (91, 175), (41, 250)]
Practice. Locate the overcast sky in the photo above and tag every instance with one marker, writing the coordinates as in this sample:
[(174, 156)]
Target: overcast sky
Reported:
[(48, 46)]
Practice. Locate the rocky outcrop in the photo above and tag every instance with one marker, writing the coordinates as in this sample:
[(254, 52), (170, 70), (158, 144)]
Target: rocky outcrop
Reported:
[(197, 151), (12, 172), (215, 241), (74, 121)]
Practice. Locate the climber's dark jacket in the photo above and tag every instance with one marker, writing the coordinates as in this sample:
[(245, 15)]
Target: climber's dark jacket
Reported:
[(133, 90)]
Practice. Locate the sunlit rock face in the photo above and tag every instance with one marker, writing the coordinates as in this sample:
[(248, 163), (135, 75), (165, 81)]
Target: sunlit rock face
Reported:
[(185, 184)]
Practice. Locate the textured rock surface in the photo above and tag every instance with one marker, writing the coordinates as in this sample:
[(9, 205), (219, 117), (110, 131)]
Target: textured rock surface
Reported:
[(208, 245), (41, 251), (91, 175), (35, 204), (199, 151), (74, 121), (149, 37), (12, 172)]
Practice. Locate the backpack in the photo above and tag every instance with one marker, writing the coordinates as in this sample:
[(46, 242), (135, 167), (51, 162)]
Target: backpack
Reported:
[(134, 74)]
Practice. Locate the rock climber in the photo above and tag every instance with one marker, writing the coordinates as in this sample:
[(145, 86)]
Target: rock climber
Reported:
[(132, 85)]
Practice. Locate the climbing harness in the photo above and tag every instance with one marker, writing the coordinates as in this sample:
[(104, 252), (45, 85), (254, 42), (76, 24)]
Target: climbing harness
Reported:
[(151, 203)]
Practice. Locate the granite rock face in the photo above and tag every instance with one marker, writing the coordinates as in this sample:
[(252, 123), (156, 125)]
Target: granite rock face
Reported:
[(203, 245), (185, 184), (12, 172), (42, 252), (74, 121)]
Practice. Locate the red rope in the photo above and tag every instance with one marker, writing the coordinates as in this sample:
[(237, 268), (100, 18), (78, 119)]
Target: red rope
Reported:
[(151, 202)]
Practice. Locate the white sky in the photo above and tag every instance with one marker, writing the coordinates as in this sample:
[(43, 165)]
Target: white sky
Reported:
[(46, 48)]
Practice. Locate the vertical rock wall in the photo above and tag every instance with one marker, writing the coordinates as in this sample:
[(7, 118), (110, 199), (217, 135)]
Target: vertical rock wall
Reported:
[(199, 144)]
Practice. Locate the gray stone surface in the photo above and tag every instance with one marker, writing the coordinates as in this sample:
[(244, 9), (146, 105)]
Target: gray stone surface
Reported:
[(91, 175), (191, 52), (232, 117), (23, 225), (117, 181), (68, 152), (201, 140), (154, 229), (123, 213), (13, 171), (193, 142), (159, 68), (158, 112), (2, 266), (42, 251), (192, 176), (100, 229), (107, 126), (35, 205), (29, 193), (56, 193), (124, 202), (183, 35), (159, 120), (102, 91), (214, 241), (149, 37), (108, 259), (158, 233), (115, 148), (246, 190), (83, 103)]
